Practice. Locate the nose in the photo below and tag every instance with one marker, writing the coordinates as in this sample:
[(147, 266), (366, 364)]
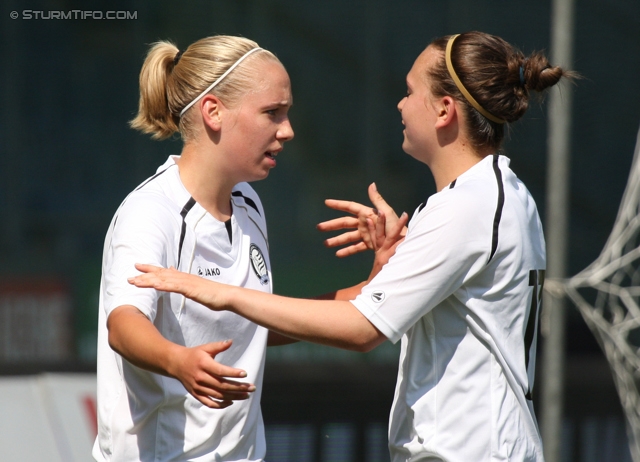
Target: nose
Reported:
[(401, 103), (285, 132)]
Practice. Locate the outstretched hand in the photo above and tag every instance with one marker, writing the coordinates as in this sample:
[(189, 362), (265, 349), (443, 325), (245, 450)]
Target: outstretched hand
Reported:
[(362, 238), (171, 280)]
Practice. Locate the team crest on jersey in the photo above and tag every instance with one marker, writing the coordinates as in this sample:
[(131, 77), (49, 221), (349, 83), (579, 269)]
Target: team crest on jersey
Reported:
[(377, 296), (258, 264)]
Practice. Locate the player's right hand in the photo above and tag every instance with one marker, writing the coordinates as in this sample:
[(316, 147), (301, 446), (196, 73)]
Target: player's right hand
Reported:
[(207, 380), (361, 239)]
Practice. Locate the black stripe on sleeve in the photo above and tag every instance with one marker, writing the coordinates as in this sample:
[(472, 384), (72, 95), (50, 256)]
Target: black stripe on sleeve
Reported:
[(498, 215), (247, 200), (188, 206)]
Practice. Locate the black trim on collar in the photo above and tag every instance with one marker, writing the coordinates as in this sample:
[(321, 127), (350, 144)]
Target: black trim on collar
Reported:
[(227, 224), (247, 200), (153, 177), (185, 210), (453, 183)]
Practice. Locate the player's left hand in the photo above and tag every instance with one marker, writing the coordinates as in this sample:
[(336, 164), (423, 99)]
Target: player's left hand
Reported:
[(385, 239), (361, 238)]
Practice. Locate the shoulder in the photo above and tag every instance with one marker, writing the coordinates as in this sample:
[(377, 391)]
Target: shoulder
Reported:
[(245, 197), (147, 209), (157, 197), (465, 203)]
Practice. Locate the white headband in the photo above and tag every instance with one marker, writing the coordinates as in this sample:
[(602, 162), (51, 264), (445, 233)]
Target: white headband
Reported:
[(218, 80)]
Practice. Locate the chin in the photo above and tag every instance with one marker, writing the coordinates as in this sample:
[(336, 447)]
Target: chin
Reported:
[(260, 176), (406, 147)]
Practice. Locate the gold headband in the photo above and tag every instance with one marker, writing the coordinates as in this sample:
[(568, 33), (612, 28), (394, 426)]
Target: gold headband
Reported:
[(461, 87)]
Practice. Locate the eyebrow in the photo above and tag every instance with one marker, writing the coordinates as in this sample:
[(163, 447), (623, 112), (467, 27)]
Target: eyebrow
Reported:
[(280, 104)]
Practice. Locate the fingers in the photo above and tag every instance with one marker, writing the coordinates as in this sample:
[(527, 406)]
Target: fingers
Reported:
[(147, 268), (398, 228), (378, 201), (209, 381), (215, 348), (354, 208), (144, 280), (218, 395), (164, 279), (220, 370), (213, 404), (149, 276), (337, 224), (342, 239), (380, 229), (352, 250)]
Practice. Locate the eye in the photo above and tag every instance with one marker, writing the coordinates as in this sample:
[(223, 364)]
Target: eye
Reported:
[(271, 112)]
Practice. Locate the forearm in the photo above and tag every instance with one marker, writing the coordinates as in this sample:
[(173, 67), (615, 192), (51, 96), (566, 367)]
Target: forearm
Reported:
[(135, 338), (329, 322), (277, 339), (334, 323), (346, 294)]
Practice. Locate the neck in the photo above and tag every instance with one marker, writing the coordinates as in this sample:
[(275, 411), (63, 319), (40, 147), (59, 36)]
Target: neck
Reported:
[(205, 181), (453, 161)]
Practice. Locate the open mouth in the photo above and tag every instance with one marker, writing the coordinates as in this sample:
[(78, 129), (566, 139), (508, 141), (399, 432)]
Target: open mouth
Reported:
[(271, 154)]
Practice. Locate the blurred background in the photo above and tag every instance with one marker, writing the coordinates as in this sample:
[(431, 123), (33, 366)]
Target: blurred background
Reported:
[(68, 87)]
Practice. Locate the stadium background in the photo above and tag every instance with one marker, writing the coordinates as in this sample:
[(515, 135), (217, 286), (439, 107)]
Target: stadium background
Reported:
[(68, 158)]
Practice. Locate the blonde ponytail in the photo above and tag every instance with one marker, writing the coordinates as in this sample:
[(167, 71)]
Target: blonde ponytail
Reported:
[(154, 116), (168, 85)]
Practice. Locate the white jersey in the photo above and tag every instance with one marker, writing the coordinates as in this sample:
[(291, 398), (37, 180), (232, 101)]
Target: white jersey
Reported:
[(145, 416), (462, 292)]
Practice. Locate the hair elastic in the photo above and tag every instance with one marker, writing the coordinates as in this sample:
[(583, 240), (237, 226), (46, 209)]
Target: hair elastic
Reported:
[(522, 80), (461, 87), (177, 57), (218, 80)]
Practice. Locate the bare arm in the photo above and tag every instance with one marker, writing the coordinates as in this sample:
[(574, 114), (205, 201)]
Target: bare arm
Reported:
[(329, 322), (135, 338), (277, 339)]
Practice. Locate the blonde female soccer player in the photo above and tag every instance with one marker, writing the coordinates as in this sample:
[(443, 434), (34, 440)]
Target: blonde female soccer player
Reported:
[(167, 368), (462, 290)]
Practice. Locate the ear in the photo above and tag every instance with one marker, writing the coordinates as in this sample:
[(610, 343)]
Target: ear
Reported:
[(211, 109), (447, 111)]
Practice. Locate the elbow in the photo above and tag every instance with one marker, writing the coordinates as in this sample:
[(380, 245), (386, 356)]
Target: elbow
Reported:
[(115, 325), (114, 344), (366, 343), (363, 347), (363, 337)]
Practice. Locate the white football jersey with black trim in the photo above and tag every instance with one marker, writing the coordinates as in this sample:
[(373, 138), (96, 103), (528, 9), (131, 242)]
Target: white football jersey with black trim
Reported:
[(463, 292), (145, 413)]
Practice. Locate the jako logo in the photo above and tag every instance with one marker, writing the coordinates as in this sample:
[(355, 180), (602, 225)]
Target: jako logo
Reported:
[(377, 296), (208, 271), (258, 264)]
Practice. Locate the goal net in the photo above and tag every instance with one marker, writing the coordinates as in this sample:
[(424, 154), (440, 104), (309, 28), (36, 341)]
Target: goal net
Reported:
[(607, 294)]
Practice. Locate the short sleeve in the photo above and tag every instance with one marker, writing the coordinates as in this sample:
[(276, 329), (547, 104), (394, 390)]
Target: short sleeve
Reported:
[(143, 231), (447, 243)]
